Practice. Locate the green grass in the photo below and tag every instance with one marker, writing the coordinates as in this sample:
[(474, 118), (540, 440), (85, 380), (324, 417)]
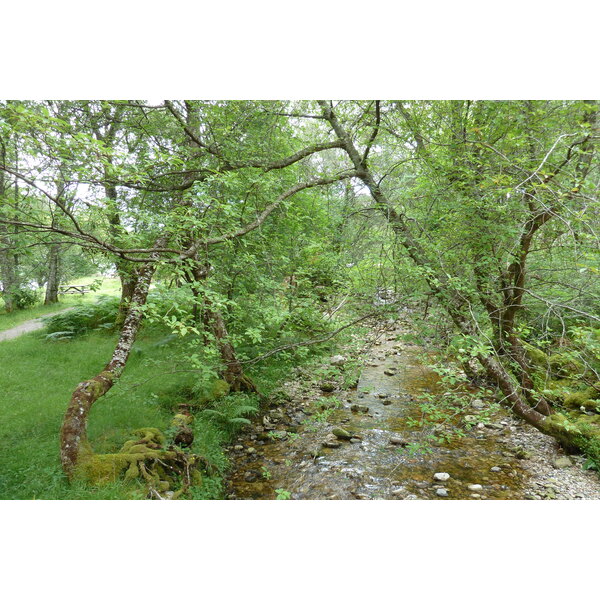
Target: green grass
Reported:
[(110, 287), (37, 379)]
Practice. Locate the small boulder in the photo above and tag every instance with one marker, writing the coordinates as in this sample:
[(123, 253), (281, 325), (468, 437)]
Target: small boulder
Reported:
[(443, 492), (396, 441), (338, 360), (475, 487), (341, 434), (441, 477), (562, 462), (326, 386)]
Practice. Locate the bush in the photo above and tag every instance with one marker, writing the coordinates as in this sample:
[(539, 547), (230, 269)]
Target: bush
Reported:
[(78, 321), (24, 298)]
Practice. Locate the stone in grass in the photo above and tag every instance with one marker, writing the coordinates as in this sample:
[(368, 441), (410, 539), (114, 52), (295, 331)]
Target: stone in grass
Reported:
[(443, 492), (475, 487), (562, 462), (496, 469), (478, 404), (441, 477), (341, 434), (338, 360)]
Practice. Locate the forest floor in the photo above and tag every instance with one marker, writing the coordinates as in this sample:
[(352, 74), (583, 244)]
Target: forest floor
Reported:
[(384, 439)]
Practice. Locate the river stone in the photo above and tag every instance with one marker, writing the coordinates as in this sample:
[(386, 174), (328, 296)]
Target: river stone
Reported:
[(396, 441), (331, 444), (386, 402), (338, 360), (341, 434), (478, 404), (390, 372), (443, 492), (359, 408), (495, 469), (238, 447), (250, 450), (441, 477), (383, 395), (562, 463), (326, 386), (475, 487)]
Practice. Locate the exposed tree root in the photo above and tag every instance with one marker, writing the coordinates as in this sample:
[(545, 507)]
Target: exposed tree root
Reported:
[(165, 473)]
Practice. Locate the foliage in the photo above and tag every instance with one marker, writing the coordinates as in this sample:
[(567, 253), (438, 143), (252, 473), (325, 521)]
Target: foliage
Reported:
[(80, 320)]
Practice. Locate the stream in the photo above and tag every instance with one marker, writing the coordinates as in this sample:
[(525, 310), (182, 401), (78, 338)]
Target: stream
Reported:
[(294, 454)]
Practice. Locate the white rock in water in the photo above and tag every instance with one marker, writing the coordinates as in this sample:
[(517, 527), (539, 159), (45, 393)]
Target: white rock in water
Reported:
[(475, 487), (338, 360), (441, 477)]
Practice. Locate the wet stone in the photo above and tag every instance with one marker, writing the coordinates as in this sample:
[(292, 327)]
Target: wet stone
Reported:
[(495, 469), (443, 492)]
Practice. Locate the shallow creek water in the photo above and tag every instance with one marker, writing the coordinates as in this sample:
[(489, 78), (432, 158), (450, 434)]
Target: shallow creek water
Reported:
[(370, 466)]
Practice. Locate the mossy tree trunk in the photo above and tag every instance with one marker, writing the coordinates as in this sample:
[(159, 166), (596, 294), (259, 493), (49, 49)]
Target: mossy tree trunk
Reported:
[(73, 434)]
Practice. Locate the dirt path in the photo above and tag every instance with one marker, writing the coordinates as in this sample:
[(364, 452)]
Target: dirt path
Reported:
[(28, 326), (297, 454)]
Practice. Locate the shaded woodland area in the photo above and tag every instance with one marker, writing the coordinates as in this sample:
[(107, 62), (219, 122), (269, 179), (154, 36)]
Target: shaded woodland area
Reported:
[(226, 245)]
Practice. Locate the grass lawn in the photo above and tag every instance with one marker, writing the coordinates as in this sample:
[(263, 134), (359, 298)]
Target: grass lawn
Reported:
[(37, 378), (110, 287)]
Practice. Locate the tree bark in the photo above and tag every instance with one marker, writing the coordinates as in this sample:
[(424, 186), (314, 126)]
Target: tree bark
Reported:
[(53, 275), (73, 434)]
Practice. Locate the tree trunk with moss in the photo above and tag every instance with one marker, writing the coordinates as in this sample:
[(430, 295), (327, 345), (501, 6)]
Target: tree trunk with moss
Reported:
[(73, 435)]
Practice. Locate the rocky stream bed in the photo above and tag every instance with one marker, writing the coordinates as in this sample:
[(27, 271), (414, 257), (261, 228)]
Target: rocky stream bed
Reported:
[(365, 450)]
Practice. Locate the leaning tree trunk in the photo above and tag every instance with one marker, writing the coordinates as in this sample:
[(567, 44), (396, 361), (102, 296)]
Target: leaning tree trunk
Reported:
[(129, 279), (233, 372), (515, 397), (73, 435), (53, 275)]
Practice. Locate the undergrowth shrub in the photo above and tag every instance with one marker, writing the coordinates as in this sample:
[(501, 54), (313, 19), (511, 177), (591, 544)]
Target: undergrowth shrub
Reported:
[(80, 320), (24, 298)]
